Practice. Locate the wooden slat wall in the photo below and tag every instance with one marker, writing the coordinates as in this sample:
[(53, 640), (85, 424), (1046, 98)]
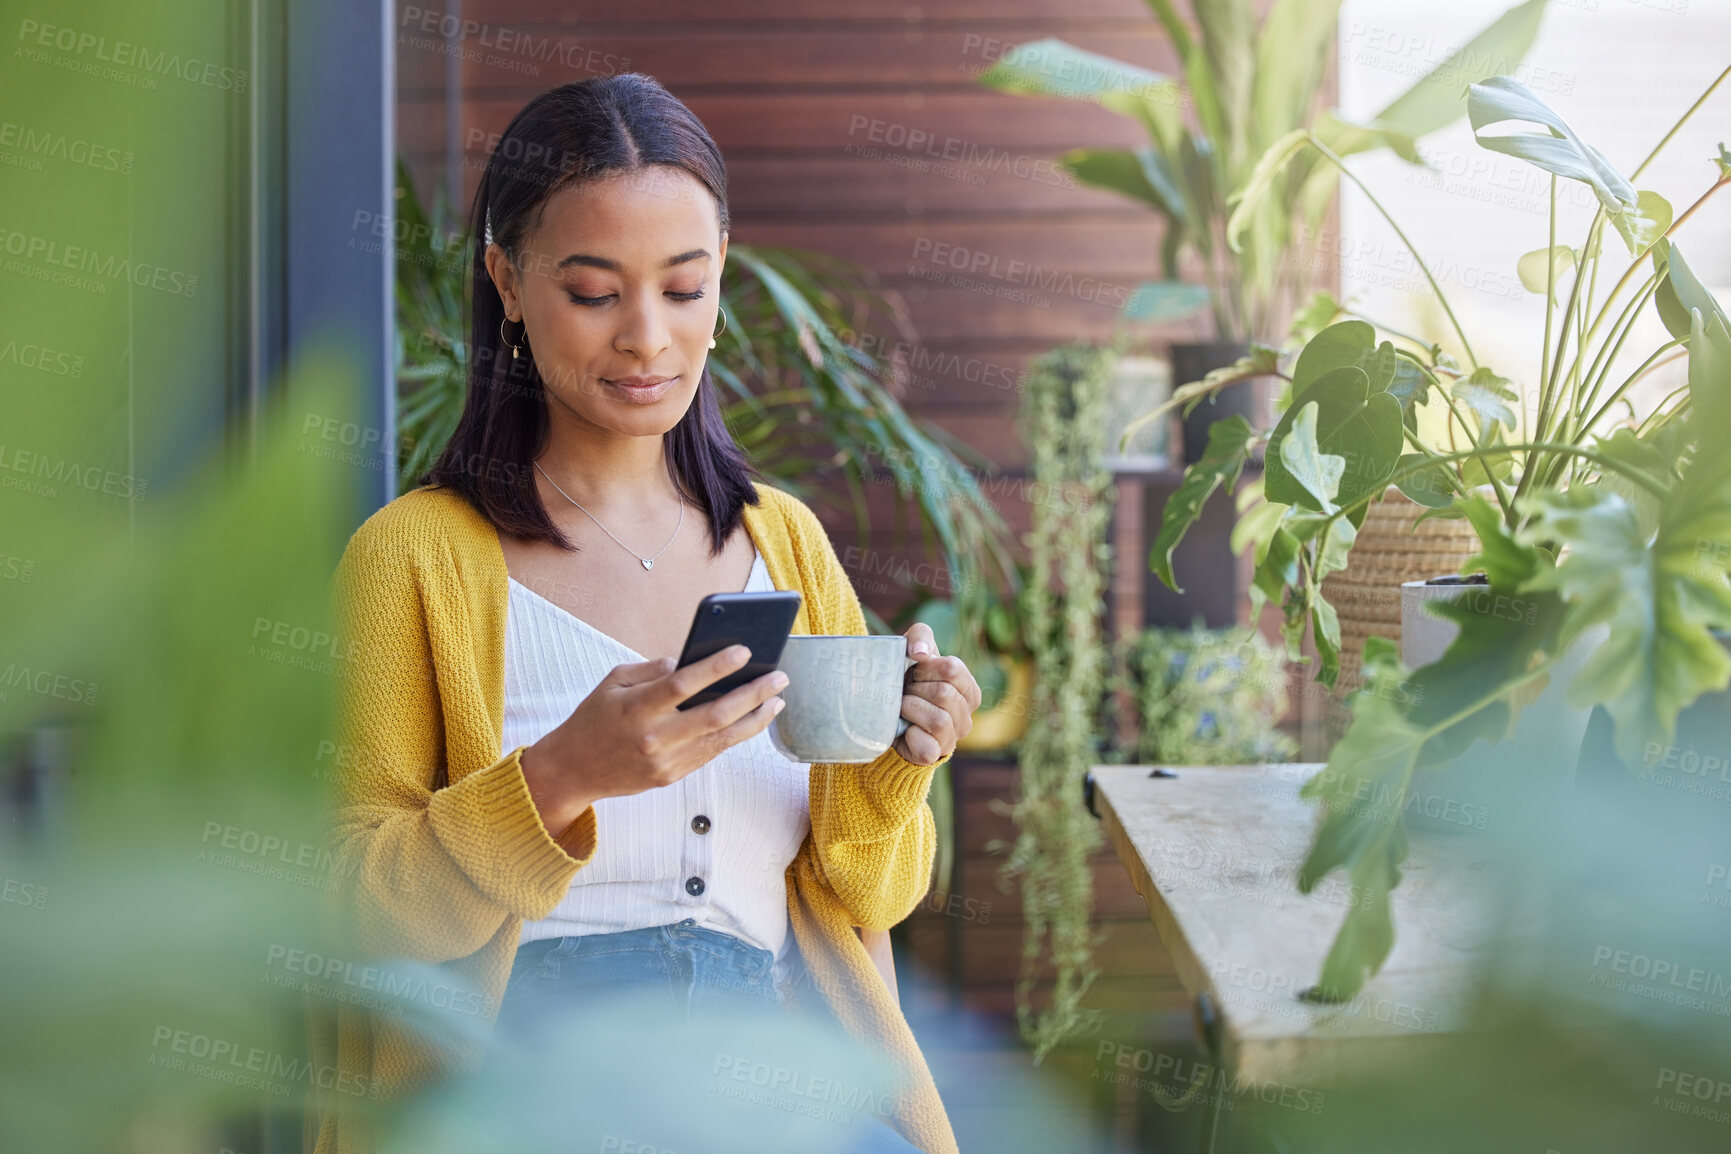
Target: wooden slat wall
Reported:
[(787, 86)]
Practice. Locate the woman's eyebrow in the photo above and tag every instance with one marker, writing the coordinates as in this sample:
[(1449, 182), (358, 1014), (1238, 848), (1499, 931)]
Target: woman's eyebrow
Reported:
[(583, 258)]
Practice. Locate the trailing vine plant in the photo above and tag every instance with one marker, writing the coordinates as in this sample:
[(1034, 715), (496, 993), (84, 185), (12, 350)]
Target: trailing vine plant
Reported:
[(1063, 416)]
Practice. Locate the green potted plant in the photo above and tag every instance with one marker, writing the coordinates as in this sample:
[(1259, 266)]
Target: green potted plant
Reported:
[(1206, 696), (1598, 529), (1250, 88), (1369, 394)]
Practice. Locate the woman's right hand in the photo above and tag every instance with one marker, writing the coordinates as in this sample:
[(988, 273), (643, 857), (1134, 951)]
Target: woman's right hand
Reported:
[(628, 735)]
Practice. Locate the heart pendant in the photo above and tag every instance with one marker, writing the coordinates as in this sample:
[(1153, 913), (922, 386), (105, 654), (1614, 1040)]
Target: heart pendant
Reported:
[(647, 564)]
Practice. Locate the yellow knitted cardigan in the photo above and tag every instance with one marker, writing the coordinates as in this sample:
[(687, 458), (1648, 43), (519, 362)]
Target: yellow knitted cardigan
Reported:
[(446, 855)]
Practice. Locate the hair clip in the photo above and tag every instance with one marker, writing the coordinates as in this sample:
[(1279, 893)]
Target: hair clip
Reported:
[(487, 228)]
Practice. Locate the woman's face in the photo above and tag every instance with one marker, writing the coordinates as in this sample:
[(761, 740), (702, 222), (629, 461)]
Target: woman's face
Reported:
[(617, 287)]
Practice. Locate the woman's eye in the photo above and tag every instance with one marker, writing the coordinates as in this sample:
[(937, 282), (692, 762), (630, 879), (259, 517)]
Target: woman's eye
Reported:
[(579, 299)]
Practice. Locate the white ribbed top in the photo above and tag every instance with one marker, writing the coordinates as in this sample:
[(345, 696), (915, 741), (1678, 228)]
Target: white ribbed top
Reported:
[(647, 848)]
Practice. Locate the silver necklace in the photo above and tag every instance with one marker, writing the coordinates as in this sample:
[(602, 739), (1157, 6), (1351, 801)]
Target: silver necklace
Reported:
[(646, 562)]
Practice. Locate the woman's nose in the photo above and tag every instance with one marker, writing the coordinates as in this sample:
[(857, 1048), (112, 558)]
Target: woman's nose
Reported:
[(644, 331)]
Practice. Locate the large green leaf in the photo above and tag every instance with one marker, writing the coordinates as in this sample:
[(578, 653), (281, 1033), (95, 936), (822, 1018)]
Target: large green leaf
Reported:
[(1430, 487), (1334, 537), (1506, 632), (1325, 635), (1344, 136), (1257, 518), (1534, 273), (1437, 99), (1158, 171), (1644, 459), (1505, 562), (1121, 171), (1488, 396), (1710, 378), (1362, 427), (1222, 462), (1493, 459), (1502, 99), (1274, 551), (1660, 599), (1276, 569), (1680, 291), (1228, 44), (1204, 186), (1330, 540), (1052, 67), (1254, 195), (1176, 29), (1337, 346), (1351, 343), (1361, 791), (1641, 226), (1409, 722), (1316, 472), (1159, 109), (1410, 385), (1295, 43)]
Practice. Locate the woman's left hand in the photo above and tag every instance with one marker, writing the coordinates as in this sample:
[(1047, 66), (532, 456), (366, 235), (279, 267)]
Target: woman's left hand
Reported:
[(939, 703)]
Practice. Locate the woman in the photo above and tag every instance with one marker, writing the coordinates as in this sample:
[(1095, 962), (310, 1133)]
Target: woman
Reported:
[(526, 805)]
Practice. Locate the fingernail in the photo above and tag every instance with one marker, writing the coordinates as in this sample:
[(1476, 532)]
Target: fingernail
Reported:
[(777, 707), (778, 679), (739, 653)]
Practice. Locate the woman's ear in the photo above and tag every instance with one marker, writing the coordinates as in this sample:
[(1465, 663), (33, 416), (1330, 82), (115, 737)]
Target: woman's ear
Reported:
[(504, 277)]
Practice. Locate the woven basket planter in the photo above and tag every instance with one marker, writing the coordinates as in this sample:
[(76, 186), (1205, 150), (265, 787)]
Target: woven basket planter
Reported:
[(1393, 546)]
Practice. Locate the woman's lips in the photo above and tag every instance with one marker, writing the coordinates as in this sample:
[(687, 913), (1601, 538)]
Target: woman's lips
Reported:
[(642, 390)]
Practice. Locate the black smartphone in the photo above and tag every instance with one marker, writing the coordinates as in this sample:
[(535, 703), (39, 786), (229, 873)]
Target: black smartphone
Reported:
[(758, 621)]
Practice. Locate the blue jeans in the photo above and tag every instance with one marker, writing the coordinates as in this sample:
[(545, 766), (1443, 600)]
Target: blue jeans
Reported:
[(697, 969)]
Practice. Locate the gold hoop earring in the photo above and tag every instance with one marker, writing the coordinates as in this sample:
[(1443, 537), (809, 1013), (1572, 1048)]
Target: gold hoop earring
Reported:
[(516, 349), (719, 331)]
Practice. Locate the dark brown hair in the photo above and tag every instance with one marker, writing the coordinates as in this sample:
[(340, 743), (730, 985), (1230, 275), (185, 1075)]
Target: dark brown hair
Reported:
[(577, 132)]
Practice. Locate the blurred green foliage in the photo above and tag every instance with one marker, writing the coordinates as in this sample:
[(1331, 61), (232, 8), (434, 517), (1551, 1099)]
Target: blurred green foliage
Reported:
[(1223, 136), (1206, 696)]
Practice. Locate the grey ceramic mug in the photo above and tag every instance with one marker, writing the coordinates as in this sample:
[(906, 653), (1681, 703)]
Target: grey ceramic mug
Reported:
[(844, 697)]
